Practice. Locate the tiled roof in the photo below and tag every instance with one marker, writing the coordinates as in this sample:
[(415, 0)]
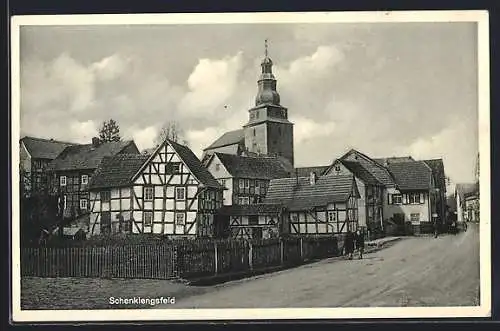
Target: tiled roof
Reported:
[(195, 165), (306, 171), (437, 167), (464, 189), (380, 172), (393, 159), (411, 176), (299, 194), (259, 167), (229, 138), (360, 172), (87, 156), (44, 148), (253, 209), (117, 170)]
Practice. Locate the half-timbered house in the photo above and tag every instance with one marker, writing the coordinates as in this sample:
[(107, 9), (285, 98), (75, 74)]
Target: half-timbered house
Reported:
[(255, 221), (313, 205), (71, 171), (246, 177), (35, 156), (371, 190), (168, 192)]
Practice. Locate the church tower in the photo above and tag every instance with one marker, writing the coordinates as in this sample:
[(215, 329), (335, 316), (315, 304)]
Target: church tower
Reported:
[(268, 131)]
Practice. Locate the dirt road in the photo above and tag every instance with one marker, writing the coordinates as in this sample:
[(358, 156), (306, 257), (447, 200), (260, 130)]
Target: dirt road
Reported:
[(423, 271)]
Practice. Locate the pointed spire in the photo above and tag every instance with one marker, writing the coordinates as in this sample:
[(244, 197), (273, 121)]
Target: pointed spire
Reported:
[(265, 46)]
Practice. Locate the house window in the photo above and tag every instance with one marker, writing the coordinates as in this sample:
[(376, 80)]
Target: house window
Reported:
[(223, 182), (180, 193), (217, 167), (62, 180), (148, 218), (294, 218), (85, 179), (149, 193), (331, 216), (242, 183), (397, 199), (83, 204), (416, 198), (415, 218), (105, 196), (179, 219), (247, 183), (337, 168), (172, 168), (243, 200)]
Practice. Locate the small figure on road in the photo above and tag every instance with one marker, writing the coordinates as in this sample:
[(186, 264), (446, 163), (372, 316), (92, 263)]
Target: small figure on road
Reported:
[(349, 244), (360, 243), (435, 223)]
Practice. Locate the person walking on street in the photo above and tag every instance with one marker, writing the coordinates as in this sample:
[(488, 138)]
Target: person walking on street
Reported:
[(349, 244), (435, 228), (360, 243)]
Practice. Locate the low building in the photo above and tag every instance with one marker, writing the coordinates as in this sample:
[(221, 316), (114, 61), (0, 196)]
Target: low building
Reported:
[(73, 168), (35, 156), (314, 205), (372, 192), (246, 178), (255, 221), (467, 199), (168, 192), (415, 200)]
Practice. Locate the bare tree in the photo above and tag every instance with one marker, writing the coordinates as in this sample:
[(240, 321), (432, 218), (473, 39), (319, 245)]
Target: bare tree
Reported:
[(172, 131), (109, 131)]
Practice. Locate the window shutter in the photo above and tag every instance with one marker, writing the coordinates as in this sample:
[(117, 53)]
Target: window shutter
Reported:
[(422, 199), (405, 199), (389, 198)]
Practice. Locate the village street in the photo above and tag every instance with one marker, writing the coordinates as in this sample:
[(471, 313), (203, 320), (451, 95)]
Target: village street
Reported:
[(416, 271)]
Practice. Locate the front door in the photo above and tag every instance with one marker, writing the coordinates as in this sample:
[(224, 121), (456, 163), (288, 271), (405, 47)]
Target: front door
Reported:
[(105, 222)]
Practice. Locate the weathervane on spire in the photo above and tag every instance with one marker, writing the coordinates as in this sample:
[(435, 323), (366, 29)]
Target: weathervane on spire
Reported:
[(265, 45)]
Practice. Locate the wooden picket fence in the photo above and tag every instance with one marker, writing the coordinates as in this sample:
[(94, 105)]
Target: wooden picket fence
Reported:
[(168, 260), (128, 261)]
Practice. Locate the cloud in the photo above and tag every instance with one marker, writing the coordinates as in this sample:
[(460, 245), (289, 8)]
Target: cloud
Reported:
[(145, 138), (307, 129), (82, 132), (458, 151), (210, 84), (110, 67)]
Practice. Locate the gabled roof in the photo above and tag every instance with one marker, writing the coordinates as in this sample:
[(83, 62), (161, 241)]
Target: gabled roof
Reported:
[(117, 170), (306, 171), (465, 189), (88, 157), (229, 138), (437, 167), (300, 194), (259, 167), (377, 170), (360, 172), (393, 159), (253, 209), (411, 176), (40, 148), (195, 165)]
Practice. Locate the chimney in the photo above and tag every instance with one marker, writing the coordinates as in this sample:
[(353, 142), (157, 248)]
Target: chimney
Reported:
[(95, 142), (312, 178)]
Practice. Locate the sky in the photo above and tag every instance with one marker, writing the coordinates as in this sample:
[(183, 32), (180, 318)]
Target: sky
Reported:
[(385, 89)]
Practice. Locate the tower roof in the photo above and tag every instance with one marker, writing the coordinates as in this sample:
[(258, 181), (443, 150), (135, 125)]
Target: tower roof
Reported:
[(267, 93)]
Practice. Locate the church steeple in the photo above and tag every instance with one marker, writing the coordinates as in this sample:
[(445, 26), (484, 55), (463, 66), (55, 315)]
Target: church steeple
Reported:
[(267, 93)]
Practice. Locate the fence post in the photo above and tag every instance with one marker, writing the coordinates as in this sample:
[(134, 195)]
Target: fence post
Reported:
[(250, 255), (282, 251), (301, 250), (215, 257)]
